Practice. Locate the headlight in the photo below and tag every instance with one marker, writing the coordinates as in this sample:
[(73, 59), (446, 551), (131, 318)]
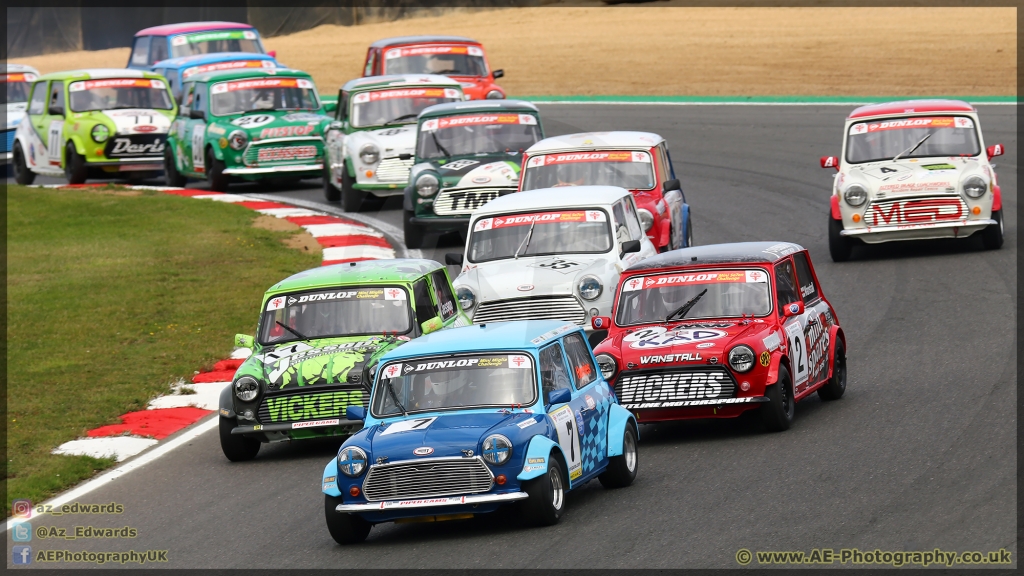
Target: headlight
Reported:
[(100, 133), (497, 449), (466, 297), (369, 154), (247, 388), (590, 287), (426, 185), (494, 95), (975, 187), (351, 461), (646, 218), (855, 195), (238, 139), (607, 365), (741, 358)]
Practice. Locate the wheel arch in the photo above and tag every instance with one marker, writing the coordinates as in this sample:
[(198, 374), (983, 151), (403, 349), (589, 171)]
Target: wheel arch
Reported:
[(835, 334), (618, 419)]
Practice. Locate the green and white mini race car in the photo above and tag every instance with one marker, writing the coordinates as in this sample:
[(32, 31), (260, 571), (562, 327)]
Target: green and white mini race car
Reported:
[(320, 335), (86, 123), (248, 125)]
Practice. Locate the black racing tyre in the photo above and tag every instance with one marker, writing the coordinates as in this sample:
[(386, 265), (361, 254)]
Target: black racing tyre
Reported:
[(839, 246), (836, 385), (75, 169), (171, 175), (331, 194), (992, 235), (622, 469), (22, 175), (215, 173), (546, 499), (414, 233), (351, 199), (344, 528), (777, 413), (236, 447)]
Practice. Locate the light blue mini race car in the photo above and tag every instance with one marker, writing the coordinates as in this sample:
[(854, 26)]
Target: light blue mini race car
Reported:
[(464, 420)]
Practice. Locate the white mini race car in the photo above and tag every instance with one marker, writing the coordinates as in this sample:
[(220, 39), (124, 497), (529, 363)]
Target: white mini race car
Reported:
[(916, 169), (18, 79), (549, 255)]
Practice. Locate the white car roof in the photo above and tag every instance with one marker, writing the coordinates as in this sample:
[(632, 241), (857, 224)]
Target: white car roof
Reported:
[(8, 68), (391, 80), (547, 198), (97, 73), (595, 140)]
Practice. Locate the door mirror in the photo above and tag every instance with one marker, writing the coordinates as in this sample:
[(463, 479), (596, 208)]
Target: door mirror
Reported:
[(432, 325), (600, 322), (793, 309), (630, 246), (498, 74), (330, 107), (830, 162), (197, 114), (560, 396), (355, 413), (671, 185), (55, 110), (272, 53), (244, 341), (995, 150), (453, 259)]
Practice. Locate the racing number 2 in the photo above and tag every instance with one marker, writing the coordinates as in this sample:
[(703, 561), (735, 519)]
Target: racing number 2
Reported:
[(797, 351)]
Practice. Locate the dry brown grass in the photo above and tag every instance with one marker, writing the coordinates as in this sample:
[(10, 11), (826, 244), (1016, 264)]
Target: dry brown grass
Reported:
[(666, 50)]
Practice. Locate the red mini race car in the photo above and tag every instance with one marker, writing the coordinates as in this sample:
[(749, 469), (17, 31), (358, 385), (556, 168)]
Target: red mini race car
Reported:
[(714, 331), (462, 59)]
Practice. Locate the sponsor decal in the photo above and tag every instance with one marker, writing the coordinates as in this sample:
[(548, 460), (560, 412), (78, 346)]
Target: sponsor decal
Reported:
[(507, 361), (280, 154), (671, 358), (938, 167), (526, 424), (552, 333), (694, 385), (766, 358), (481, 180), (689, 403), (227, 66), (468, 199), (771, 341), (304, 117), (432, 49), (659, 337), (145, 128), (916, 212), (422, 502), (116, 83), (393, 371), (535, 460), (19, 77), (324, 405), (282, 131), (211, 36), (408, 425), (122, 147), (547, 218), (707, 345), (519, 361), (524, 287), (579, 421), (649, 282), (916, 187), (476, 120), (423, 451), (780, 250), (257, 83), (391, 94), (529, 468), (316, 423), (908, 123), (571, 158), (817, 349), (598, 322), (591, 404)]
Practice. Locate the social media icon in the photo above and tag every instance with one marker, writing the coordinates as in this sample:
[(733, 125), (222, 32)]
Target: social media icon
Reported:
[(21, 554), (22, 532), (21, 508)]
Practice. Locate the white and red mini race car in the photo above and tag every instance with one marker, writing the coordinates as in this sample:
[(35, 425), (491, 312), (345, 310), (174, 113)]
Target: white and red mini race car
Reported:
[(916, 169)]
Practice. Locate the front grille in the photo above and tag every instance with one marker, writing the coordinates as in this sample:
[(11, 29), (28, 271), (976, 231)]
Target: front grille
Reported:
[(928, 210), (282, 153), (307, 405), (427, 479), (8, 140), (565, 308), (675, 386), (135, 146), (462, 202), (394, 170)]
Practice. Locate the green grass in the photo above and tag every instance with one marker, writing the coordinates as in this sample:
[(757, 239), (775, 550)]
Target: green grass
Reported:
[(110, 299)]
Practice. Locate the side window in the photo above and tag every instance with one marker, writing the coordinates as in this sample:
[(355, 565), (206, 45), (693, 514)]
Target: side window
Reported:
[(140, 53), (582, 364), (186, 98), (632, 220), (668, 156), (342, 112), (808, 289), (197, 99), (553, 374), (785, 284), (57, 95), (38, 105), (619, 220), (665, 165), (158, 50), (371, 58), (425, 309), (443, 293)]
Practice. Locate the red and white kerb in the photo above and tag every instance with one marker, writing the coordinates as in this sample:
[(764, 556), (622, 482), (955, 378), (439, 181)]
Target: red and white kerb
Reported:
[(664, 280), (541, 218)]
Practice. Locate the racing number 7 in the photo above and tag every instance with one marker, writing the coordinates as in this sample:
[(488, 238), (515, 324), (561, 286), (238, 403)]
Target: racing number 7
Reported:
[(421, 422)]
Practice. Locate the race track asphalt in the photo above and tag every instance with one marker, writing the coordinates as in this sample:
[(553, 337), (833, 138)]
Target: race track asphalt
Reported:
[(920, 453)]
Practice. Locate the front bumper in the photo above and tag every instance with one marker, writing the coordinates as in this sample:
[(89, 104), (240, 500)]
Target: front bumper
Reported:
[(926, 231), (130, 165), (274, 170), (471, 500), (5, 158), (289, 426)]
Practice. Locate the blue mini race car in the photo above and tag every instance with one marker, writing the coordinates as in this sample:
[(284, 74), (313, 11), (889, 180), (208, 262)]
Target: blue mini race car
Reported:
[(464, 420)]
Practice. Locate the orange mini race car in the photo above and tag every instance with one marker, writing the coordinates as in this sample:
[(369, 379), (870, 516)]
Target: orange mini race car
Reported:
[(461, 58)]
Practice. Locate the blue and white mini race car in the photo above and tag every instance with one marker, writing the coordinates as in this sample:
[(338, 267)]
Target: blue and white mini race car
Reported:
[(464, 420)]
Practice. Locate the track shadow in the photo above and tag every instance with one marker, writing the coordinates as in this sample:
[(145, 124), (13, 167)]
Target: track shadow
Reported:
[(917, 248)]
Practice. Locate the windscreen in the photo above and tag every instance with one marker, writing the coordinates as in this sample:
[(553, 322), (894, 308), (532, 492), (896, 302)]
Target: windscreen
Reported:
[(346, 311), (240, 96), (18, 85), (730, 293), (218, 41), (479, 133), (115, 93), (455, 382), (563, 232), (398, 105), (231, 65), (885, 139), (630, 170), (457, 60)]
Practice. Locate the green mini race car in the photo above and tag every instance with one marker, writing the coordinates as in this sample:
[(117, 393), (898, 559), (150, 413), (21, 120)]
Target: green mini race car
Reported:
[(318, 341), (467, 154), (249, 125), (93, 122)]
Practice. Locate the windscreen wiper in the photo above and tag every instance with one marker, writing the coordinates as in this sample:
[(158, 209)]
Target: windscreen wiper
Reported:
[(402, 117), (527, 239), (682, 310), (292, 330), (394, 397), (447, 154), (914, 147)]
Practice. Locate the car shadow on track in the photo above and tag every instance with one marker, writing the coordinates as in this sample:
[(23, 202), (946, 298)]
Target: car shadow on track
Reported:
[(918, 248)]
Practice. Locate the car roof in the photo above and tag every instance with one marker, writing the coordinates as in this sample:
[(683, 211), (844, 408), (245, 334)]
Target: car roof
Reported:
[(15, 68), (911, 107), (423, 39), (183, 61), (99, 73), (245, 73), (731, 253), (394, 80), (186, 27), (596, 140), (449, 108), (516, 335), (547, 198), (364, 272)]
